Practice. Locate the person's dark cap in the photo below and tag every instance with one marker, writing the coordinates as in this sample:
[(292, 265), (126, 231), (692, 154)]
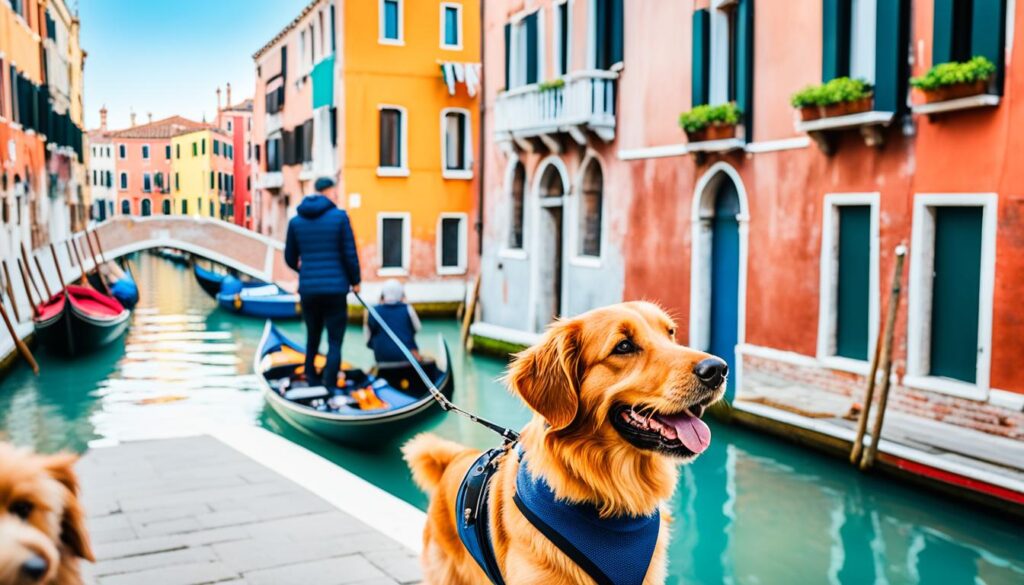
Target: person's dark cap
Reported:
[(323, 183)]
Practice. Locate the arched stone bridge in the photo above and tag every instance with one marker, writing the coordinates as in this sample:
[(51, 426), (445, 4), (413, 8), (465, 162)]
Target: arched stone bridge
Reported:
[(225, 243)]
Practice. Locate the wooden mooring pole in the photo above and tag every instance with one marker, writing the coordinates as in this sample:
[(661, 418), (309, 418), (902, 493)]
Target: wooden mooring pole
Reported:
[(81, 265), (31, 278), (60, 274), (25, 280), (885, 366), (10, 291), (96, 264), (18, 343)]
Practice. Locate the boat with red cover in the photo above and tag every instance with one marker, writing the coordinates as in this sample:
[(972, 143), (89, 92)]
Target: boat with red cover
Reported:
[(89, 321)]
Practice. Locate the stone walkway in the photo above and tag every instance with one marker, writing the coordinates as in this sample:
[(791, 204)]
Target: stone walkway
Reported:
[(191, 511)]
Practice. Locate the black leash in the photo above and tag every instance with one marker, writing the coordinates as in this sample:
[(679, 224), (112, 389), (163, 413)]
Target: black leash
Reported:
[(507, 434)]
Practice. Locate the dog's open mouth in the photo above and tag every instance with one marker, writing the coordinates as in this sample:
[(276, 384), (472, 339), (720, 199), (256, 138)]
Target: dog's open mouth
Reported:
[(680, 434)]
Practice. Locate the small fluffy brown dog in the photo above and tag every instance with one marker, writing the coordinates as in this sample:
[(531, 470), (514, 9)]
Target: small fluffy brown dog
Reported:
[(42, 525), (617, 406)]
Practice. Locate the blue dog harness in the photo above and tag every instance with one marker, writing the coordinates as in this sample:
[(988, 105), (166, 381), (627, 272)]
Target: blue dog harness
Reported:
[(612, 551)]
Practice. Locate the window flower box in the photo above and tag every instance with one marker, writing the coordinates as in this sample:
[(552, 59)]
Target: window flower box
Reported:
[(951, 81), (705, 123), (857, 106), (841, 96)]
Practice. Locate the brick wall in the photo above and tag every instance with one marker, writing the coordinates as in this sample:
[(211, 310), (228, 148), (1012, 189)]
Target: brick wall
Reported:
[(981, 416)]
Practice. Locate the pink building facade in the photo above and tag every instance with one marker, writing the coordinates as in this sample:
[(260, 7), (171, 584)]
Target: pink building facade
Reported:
[(143, 161), (236, 121)]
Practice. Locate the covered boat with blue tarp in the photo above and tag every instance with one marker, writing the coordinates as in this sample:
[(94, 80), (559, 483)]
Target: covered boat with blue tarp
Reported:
[(211, 281), (267, 301), (366, 408)]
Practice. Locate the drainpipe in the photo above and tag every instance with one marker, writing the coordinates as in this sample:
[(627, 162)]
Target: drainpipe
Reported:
[(480, 157)]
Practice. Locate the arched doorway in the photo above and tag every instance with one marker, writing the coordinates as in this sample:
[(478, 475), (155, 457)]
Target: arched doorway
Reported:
[(550, 189), (147, 208), (167, 206), (718, 271), (126, 207)]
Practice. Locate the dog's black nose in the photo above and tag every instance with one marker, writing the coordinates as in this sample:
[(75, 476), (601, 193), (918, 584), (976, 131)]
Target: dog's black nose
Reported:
[(35, 567), (711, 371)]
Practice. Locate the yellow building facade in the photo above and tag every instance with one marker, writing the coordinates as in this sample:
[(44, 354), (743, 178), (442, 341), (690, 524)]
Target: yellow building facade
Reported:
[(201, 172)]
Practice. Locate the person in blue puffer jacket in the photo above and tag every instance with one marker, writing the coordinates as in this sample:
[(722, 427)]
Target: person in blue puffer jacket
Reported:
[(321, 247), (400, 317)]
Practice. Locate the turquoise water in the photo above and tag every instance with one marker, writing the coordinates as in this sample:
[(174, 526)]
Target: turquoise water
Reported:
[(752, 509)]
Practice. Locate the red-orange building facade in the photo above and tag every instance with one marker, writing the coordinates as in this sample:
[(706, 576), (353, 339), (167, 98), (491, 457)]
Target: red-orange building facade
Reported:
[(774, 249)]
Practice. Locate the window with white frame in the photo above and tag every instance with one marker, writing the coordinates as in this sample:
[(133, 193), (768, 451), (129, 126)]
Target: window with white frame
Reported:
[(391, 26), (562, 44), (457, 143), (393, 141), (451, 244), (147, 182), (122, 151), (123, 181), (606, 29), (451, 25), (145, 151), (126, 207), (517, 208), (523, 50), (952, 277), (722, 88), (848, 307), (591, 201), (393, 241)]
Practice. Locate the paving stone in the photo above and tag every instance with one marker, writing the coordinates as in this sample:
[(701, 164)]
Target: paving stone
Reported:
[(186, 574), (339, 571), (144, 546), (402, 566), (154, 561)]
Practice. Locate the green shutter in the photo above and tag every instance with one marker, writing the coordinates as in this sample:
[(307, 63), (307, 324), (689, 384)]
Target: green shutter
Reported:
[(955, 293), (988, 34), (892, 29), (616, 17), (532, 62), (745, 64), (700, 68), (853, 285), (942, 31), (508, 56), (835, 33)]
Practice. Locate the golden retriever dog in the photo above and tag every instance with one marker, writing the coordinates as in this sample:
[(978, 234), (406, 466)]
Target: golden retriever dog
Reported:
[(617, 406), (42, 525)]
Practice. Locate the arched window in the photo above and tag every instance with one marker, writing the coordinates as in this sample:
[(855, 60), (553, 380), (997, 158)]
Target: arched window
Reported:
[(591, 200), (126, 207), (515, 236), (147, 208), (167, 206)]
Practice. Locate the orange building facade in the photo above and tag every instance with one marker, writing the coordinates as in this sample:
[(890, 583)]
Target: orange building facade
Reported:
[(382, 96), (774, 247)]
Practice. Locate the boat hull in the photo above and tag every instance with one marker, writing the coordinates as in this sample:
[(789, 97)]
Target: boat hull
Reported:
[(73, 332), (208, 280), (365, 431), (283, 306)]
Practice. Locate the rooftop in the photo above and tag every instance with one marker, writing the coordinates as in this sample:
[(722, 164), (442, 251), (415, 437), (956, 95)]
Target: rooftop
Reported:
[(165, 128), (244, 106), (291, 25)]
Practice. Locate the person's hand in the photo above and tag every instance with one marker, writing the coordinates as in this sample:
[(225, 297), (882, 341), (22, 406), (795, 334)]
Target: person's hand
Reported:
[(355, 288)]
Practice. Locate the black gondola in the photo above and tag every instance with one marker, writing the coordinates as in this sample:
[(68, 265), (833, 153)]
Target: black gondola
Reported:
[(88, 321)]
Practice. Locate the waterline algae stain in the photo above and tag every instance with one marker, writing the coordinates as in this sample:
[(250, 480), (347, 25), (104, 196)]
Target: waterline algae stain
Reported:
[(750, 510)]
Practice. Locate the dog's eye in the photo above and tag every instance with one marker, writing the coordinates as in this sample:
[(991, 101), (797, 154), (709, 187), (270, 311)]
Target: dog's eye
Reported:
[(624, 347), (672, 333), (21, 509)]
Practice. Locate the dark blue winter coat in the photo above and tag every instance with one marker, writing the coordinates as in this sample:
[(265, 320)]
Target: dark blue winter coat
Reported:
[(396, 315), (320, 246)]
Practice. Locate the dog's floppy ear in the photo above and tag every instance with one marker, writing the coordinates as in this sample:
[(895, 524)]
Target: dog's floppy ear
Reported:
[(548, 375), (72, 526)]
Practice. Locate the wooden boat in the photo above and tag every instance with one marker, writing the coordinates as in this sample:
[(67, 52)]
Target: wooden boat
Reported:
[(172, 255), (124, 290), (279, 360), (89, 321), (266, 301), (211, 281)]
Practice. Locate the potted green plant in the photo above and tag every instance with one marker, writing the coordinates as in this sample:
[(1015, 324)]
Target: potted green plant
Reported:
[(710, 122), (551, 85), (950, 81), (841, 96)]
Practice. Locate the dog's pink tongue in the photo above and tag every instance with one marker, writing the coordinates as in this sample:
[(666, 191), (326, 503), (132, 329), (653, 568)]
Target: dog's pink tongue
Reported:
[(693, 433)]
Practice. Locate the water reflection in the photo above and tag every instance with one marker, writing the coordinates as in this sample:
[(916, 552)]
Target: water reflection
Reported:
[(751, 510)]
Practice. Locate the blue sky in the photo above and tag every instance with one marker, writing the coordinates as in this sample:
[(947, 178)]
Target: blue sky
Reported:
[(168, 56)]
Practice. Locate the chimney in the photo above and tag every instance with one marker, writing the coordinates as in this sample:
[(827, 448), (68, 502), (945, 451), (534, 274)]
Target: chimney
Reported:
[(150, 116), (229, 96), (103, 118), (218, 99), (132, 117)]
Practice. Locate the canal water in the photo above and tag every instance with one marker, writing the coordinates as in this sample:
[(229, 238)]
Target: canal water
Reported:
[(752, 509)]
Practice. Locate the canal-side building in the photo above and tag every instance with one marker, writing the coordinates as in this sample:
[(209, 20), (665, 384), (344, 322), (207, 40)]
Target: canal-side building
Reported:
[(203, 172), (236, 121), (773, 247), (143, 164), (41, 159), (101, 171), (382, 95)]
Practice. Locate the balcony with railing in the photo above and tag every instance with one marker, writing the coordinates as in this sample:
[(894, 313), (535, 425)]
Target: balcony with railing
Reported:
[(582, 101)]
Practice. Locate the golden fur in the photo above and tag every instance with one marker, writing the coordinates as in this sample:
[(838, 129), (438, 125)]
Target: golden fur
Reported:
[(40, 515), (571, 380)]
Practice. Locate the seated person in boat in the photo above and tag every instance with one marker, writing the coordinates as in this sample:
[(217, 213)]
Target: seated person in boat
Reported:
[(400, 317)]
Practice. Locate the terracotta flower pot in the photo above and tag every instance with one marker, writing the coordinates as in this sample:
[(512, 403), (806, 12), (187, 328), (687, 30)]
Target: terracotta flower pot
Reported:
[(955, 91), (847, 108), (810, 113), (712, 132)]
